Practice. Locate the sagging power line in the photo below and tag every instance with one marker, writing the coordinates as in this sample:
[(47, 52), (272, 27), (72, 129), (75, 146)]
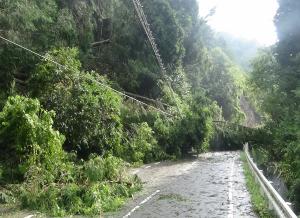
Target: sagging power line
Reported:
[(92, 80), (143, 20)]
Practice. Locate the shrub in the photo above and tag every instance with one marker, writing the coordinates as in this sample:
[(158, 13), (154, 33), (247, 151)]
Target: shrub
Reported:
[(88, 188), (98, 169), (140, 145), (192, 131), (158, 133), (295, 194), (3, 99), (27, 137), (229, 136), (174, 136), (88, 113)]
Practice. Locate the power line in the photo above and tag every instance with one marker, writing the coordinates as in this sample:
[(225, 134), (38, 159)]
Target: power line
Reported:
[(93, 80), (143, 20), (147, 99)]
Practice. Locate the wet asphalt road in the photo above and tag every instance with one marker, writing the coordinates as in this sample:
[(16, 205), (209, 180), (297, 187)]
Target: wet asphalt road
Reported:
[(212, 185)]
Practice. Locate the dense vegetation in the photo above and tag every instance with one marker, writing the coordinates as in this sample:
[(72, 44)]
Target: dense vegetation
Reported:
[(276, 80), (259, 201), (65, 134)]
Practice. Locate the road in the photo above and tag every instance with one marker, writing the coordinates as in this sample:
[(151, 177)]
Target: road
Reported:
[(212, 185)]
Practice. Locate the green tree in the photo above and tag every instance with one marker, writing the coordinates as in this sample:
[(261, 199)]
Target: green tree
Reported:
[(33, 24), (276, 77), (88, 111), (288, 30), (27, 138)]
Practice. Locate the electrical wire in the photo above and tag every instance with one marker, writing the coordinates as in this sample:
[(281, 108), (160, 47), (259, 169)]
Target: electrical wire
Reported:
[(93, 80), (143, 20)]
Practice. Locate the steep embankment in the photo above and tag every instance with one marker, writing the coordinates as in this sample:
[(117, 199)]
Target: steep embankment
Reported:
[(252, 117)]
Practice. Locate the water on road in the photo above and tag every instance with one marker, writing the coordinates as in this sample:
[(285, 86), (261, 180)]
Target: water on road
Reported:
[(212, 185)]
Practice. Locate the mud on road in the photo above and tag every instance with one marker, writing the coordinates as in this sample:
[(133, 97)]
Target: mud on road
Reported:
[(212, 185)]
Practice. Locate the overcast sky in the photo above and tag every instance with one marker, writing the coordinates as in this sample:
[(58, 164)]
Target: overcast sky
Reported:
[(249, 19)]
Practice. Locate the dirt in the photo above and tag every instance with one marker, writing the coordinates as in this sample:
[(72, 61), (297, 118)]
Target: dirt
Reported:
[(212, 185), (253, 119)]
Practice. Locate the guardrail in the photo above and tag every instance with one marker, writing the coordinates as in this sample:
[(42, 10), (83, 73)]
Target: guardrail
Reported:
[(276, 202)]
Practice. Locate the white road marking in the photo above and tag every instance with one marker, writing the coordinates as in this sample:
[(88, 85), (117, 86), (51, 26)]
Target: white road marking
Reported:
[(140, 204), (29, 216), (230, 188), (147, 167), (157, 163)]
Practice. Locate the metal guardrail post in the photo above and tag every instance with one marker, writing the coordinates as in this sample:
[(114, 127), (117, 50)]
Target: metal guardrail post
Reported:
[(276, 202)]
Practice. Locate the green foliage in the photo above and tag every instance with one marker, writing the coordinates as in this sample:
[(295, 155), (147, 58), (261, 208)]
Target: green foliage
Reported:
[(222, 86), (52, 182), (37, 25), (141, 145), (167, 28), (27, 138), (3, 99), (228, 136), (275, 78), (88, 111), (287, 30), (90, 188), (201, 85), (280, 135), (294, 195), (175, 136), (109, 168), (259, 202), (146, 135), (163, 128), (192, 132)]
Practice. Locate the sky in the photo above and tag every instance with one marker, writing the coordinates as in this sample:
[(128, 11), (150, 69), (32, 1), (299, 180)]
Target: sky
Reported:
[(248, 19)]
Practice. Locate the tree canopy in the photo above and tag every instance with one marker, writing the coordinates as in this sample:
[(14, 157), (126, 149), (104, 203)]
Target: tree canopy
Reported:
[(102, 51)]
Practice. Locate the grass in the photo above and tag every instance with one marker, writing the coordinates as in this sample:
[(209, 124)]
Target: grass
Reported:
[(259, 202)]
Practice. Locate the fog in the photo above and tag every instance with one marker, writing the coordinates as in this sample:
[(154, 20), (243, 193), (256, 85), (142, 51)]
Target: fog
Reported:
[(248, 19)]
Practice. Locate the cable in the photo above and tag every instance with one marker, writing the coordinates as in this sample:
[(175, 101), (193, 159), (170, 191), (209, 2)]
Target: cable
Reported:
[(143, 20), (93, 80)]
